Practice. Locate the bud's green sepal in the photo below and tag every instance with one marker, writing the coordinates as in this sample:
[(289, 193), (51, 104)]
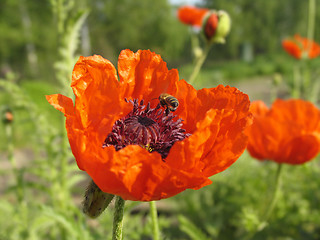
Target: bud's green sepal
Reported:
[(223, 28), (215, 32), (95, 201)]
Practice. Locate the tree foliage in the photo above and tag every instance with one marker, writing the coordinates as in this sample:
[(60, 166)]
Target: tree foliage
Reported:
[(113, 25), (139, 24)]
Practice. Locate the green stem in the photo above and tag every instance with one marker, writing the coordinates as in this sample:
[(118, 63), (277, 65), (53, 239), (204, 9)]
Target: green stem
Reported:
[(272, 204), (18, 175), (118, 219), (311, 23), (154, 217), (8, 129), (315, 91), (306, 82), (311, 19), (199, 63), (275, 195), (273, 92), (295, 92)]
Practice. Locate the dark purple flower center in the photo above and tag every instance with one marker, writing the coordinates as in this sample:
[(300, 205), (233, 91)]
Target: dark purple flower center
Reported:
[(151, 128)]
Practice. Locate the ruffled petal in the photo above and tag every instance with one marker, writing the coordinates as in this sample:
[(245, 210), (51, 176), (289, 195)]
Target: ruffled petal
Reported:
[(135, 174), (219, 117), (61, 103), (144, 75), (95, 84)]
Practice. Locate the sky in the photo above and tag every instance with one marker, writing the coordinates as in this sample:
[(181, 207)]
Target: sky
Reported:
[(185, 2)]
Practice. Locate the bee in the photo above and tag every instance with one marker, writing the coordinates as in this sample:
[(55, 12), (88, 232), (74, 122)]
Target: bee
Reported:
[(95, 201), (166, 100)]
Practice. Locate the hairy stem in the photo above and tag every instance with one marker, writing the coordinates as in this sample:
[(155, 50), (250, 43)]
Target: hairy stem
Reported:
[(118, 219)]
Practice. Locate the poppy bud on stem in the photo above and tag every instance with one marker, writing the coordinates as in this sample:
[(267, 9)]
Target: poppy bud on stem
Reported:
[(216, 26)]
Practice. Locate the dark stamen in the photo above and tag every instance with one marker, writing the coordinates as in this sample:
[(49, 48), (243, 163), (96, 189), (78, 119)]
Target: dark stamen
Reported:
[(150, 128)]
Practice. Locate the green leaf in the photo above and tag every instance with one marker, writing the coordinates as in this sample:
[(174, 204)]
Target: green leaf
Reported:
[(190, 229)]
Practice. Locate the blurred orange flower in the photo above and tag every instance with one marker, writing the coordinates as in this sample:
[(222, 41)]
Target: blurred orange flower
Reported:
[(289, 132), (122, 137), (300, 47), (192, 15)]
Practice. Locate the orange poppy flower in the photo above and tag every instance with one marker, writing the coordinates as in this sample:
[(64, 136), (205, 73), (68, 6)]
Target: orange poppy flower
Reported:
[(131, 146), (192, 15), (289, 132), (300, 47)]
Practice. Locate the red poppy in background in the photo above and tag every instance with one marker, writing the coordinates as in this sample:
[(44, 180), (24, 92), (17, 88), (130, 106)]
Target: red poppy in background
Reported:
[(122, 137), (288, 132), (192, 15), (300, 47)]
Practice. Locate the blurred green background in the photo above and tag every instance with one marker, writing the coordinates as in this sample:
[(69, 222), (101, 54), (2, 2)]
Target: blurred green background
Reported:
[(29, 40), (41, 187)]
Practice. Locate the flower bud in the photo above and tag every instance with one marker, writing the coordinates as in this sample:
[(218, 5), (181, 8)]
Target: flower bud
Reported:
[(95, 201), (217, 26), (7, 116)]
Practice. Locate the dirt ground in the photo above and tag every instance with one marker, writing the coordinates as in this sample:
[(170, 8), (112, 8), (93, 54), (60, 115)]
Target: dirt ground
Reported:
[(256, 88)]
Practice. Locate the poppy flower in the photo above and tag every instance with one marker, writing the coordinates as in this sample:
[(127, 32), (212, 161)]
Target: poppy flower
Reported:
[(300, 47), (132, 146), (192, 15), (288, 132)]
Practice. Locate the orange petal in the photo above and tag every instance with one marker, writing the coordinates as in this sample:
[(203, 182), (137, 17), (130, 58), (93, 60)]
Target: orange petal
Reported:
[(144, 75), (136, 174), (192, 15), (258, 108), (292, 48), (300, 150), (95, 84), (288, 133), (219, 117), (61, 103)]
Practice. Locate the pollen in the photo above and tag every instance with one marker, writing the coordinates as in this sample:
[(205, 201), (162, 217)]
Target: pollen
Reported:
[(150, 128)]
